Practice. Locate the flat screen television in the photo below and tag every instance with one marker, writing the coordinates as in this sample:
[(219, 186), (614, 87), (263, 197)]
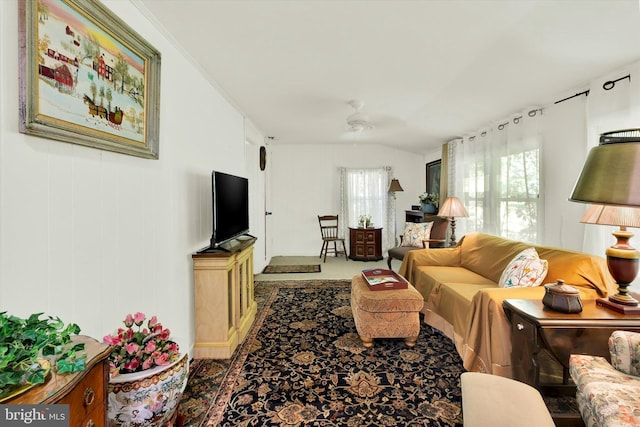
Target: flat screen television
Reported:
[(230, 196)]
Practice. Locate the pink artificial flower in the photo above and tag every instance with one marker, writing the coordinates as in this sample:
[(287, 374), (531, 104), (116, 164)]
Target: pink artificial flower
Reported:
[(147, 364), (172, 347), (131, 348), (133, 365), (161, 360), (128, 321), (138, 318), (139, 347), (153, 321)]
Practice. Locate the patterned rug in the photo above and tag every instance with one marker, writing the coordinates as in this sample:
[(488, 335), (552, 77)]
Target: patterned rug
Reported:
[(275, 269), (303, 364)]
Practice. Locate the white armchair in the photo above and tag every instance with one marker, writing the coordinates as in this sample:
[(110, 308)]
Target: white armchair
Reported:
[(494, 401)]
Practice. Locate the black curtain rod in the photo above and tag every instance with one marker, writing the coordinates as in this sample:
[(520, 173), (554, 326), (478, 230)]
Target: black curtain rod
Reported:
[(606, 86), (585, 93)]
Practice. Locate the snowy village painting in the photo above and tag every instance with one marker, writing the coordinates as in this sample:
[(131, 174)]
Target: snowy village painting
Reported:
[(87, 78)]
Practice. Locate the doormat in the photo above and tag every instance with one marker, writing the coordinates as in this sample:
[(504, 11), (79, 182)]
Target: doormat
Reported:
[(277, 269)]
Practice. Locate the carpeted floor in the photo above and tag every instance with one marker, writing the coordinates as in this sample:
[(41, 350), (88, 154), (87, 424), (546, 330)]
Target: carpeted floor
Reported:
[(303, 364)]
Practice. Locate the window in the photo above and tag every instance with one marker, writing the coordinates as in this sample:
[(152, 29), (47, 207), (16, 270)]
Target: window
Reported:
[(497, 175), (364, 192), (519, 186)]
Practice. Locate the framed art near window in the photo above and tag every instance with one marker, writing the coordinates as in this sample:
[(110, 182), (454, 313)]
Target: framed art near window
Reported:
[(433, 177), (87, 78)]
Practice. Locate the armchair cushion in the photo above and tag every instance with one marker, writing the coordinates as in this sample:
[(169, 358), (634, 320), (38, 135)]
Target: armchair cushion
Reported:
[(624, 347), (605, 396), (415, 233)]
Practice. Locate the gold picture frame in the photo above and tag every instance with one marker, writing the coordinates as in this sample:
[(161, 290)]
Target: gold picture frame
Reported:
[(87, 78)]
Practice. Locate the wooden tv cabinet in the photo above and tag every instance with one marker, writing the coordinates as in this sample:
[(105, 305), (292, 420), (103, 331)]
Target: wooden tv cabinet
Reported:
[(225, 307)]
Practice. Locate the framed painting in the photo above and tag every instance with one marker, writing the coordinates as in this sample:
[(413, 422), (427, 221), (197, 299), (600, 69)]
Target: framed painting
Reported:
[(433, 177), (87, 78)]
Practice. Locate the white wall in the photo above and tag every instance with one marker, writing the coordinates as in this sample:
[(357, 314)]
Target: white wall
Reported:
[(91, 235), (305, 183)]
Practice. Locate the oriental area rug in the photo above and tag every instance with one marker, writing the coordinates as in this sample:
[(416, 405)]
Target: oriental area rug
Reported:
[(303, 268), (302, 364)]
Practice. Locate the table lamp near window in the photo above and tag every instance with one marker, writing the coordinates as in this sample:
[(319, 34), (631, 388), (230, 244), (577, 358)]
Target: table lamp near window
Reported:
[(610, 179), (453, 208)]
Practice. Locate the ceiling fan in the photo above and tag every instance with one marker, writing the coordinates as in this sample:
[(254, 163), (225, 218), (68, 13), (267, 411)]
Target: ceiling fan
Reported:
[(358, 121)]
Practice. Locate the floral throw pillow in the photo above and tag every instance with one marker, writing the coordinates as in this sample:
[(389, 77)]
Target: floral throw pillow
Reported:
[(525, 270), (415, 233)]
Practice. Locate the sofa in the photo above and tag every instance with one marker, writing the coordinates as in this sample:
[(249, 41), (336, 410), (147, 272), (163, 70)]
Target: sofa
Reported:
[(608, 394), (463, 299)]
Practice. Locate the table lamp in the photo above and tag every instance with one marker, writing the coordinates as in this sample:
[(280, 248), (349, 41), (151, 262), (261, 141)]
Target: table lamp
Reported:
[(622, 258), (610, 178), (394, 186), (452, 208)]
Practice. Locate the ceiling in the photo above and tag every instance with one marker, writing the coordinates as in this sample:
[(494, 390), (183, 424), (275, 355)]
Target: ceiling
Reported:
[(425, 70)]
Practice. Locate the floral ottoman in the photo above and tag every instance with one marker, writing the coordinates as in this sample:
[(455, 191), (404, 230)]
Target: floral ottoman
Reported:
[(385, 314)]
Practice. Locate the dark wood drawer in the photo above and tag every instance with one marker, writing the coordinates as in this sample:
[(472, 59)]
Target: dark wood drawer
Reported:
[(523, 343), (86, 400)]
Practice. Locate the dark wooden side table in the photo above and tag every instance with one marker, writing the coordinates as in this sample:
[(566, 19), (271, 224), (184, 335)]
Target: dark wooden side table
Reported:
[(542, 341), (365, 244), (535, 328)]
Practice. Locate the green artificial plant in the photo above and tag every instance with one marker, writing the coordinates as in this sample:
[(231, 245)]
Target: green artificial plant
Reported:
[(431, 198), (24, 341)]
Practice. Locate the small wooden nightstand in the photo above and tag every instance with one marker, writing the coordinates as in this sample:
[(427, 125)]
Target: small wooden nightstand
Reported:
[(365, 244)]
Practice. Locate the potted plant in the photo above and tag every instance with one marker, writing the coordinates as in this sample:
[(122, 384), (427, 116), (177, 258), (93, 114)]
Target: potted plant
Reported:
[(147, 373), (429, 202), (30, 347), (364, 221)]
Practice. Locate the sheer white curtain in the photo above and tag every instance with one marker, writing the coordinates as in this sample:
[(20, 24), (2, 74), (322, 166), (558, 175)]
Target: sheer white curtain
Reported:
[(496, 173), (364, 192), (609, 110)]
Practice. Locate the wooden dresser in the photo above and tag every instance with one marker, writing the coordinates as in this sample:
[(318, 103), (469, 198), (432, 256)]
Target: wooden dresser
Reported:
[(85, 392)]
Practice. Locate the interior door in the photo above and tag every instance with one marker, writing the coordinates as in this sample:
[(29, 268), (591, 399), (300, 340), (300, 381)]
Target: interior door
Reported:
[(257, 203)]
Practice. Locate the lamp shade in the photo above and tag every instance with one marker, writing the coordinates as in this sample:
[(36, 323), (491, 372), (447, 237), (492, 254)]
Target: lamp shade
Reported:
[(394, 186), (611, 174), (453, 207), (612, 215)]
